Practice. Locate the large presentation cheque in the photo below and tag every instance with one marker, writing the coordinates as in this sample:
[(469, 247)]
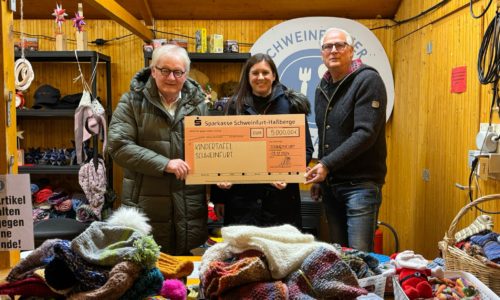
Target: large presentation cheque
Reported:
[(245, 149)]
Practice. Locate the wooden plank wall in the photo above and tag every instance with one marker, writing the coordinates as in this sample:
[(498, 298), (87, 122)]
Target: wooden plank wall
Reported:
[(430, 130), (433, 129)]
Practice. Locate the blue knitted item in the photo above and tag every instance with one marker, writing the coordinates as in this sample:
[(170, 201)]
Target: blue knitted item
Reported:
[(149, 283), (88, 276)]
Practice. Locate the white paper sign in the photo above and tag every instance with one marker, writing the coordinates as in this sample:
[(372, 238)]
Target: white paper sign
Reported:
[(16, 221)]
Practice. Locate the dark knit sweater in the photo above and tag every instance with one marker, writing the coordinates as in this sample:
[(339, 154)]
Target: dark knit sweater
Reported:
[(351, 126)]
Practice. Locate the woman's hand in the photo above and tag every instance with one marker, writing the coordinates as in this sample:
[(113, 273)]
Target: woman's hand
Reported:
[(224, 185), (280, 185)]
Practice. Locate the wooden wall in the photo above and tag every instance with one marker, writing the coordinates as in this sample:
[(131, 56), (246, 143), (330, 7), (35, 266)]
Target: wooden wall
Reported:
[(430, 130)]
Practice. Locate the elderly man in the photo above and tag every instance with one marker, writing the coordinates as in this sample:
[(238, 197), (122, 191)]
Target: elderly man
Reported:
[(146, 137), (350, 104)]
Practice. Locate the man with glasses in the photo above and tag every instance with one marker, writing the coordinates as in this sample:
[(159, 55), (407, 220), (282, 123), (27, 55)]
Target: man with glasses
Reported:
[(350, 105), (146, 138)]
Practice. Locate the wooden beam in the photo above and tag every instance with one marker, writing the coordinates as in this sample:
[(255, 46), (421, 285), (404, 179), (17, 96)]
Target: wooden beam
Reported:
[(8, 146), (146, 13), (116, 12)]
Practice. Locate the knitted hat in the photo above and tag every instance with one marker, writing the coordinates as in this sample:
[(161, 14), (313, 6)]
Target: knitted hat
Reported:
[(172, 267), (46, 96), (93, 183), (32, 286), (85, 213), (222, 276), (480, 224), (66, 262), (411, 260), (276, 290), (35, 260), (323, 274), (173, 289), (149, 283), (121, 278), (106, 244)]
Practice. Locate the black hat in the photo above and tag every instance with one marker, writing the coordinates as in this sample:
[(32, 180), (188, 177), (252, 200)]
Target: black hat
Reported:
[(69, 101), (46, 96)]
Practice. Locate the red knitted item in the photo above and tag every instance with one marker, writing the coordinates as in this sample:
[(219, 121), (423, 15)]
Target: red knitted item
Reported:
[(32, 286), (222, 276), (276, 290)]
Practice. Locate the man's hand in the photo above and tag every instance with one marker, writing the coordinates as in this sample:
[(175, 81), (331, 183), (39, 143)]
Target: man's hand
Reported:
[(178, 167), (219, 210), (316, 174), (280, 185)]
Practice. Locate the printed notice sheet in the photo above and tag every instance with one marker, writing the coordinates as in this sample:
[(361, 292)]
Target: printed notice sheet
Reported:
[(245, 149), (16, 220)]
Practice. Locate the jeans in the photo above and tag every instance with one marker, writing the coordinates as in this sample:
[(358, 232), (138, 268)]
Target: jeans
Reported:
[(352, 212)]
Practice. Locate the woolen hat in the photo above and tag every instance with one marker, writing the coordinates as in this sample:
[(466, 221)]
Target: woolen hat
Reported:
[(121, 278), (105, 244), (173, 267), (65, 262), (32, 287), (323, 274), (148, 284), (46, 96)]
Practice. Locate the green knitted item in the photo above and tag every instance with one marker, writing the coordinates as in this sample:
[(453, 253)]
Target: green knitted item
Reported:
[(147, 252), (106, 244)]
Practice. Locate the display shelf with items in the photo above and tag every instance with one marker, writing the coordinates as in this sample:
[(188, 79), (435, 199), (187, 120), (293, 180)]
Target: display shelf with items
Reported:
[(58, 119), (62, 187)]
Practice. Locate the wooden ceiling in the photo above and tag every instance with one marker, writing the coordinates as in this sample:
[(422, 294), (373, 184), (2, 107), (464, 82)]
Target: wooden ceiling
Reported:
[(221, 9)]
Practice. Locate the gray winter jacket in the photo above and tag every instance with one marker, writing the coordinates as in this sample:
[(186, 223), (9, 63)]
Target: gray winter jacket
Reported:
[(143, 137)]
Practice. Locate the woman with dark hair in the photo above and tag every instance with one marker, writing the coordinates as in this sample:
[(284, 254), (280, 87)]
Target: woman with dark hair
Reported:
[(260, 93)]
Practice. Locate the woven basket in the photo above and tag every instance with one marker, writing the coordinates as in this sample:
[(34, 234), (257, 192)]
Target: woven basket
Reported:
[(458, 260)]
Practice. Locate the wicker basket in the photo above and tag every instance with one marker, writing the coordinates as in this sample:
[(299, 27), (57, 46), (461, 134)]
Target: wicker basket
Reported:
[(458, 260)]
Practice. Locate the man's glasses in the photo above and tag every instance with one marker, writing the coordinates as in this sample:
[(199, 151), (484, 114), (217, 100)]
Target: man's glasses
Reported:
[(338, 46), (166, 72)]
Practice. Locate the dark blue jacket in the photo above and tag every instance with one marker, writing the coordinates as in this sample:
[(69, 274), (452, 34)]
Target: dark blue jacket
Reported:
[(351, 127), (262, 204)]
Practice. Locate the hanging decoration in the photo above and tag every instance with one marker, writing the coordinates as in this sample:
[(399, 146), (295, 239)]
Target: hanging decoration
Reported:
[(59, 14), (78, 22)]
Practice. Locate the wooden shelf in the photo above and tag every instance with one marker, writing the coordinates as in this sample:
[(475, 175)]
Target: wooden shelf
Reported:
[(209, 57), (62, 56), (45, 113), (48, 169)]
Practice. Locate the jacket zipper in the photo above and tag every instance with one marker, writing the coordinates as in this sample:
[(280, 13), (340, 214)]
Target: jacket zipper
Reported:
[(328, 106)]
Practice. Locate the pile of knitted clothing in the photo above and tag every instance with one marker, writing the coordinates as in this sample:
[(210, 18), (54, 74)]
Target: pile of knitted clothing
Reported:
[(116, 259), (479, 241), (276, 262)]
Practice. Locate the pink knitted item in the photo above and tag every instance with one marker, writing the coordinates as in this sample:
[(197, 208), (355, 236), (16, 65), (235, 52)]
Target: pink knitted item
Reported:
[(173, 289), (63, 206), (93, 184)]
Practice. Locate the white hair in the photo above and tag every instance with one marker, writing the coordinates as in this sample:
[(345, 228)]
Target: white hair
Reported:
[(171, 50), (348, 37)]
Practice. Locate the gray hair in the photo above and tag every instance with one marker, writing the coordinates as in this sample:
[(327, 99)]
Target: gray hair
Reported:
[(171, 50), (348, 37)]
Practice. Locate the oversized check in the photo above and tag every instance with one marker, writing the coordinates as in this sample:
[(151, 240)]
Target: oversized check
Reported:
[(245, 149)]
